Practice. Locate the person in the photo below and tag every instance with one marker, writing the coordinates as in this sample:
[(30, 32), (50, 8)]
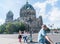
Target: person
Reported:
[(25, 36), (20, 36), (42, 36)]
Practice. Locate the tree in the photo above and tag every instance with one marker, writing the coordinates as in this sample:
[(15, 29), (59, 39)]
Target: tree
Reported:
[(10, 28), (20, 26), (2, 28), (14, 27)]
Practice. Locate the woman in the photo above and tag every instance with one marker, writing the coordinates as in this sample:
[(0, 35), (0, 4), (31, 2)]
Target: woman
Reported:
[(20, 36)]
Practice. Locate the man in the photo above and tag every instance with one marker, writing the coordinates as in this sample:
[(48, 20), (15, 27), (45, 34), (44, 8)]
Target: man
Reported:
[(25, 36), (42, 36)]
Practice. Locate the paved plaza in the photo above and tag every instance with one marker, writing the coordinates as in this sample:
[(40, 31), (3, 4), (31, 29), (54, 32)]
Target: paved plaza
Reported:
[(13, 38)]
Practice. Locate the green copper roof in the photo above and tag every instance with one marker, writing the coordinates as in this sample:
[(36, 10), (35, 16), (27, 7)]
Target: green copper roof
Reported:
[(27, 6)]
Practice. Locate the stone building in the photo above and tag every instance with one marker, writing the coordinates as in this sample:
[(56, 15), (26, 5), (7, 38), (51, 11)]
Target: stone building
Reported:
[(9, 17), (28, 16)]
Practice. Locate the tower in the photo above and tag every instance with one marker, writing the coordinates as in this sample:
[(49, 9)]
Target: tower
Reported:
[(40, 20), (9, 17)]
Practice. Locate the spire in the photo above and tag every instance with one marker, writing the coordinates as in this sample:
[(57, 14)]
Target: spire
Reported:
[(26, 1)]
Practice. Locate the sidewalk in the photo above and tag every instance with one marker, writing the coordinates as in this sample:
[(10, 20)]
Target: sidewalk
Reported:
[(9, 41), (13, 38)]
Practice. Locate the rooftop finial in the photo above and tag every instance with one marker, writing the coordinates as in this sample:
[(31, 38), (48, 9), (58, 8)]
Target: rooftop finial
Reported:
[(27, 1)]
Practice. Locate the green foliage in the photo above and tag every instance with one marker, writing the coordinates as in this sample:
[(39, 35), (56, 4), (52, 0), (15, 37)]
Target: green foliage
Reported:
[(20, 26), (58, 28), (2, 28), (12, 27)]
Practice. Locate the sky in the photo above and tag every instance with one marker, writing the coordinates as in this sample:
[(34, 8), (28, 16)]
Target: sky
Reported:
[(48, 9)]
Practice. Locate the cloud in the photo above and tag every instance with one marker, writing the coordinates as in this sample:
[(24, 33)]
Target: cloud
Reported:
[(57, 4), (2, 21), (54, 15), (40, 8), (42, 1), (52, 2)]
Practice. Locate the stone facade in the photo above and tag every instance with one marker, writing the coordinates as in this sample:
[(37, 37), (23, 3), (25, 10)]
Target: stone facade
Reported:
[(9, 17), (28, 16), (26, 12)]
